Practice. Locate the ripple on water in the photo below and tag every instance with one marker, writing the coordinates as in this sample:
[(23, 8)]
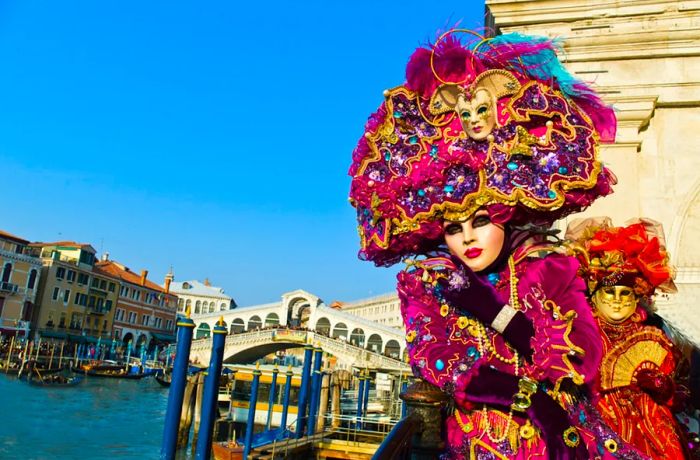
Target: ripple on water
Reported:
[(100, 418)]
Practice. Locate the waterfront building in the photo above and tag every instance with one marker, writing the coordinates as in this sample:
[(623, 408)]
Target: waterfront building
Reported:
[(145, 312), (644, 57), (383, 309), (21, 273), (76, 298), (200, 297)]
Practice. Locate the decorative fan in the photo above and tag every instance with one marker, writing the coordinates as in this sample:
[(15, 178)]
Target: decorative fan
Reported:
[(645, 349)]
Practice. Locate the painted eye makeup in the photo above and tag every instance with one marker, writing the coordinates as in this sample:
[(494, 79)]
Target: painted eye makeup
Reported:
[(482, 110), (481, 220), (452, 229), (465, 116)]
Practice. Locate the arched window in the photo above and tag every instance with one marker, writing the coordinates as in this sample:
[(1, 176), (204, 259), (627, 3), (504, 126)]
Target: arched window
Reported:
[(237, 326), (198, 307), (32, 279), (392, 349), (212, 307), (6, 272), (254, 323), (375, 343), (323, 326), (340, 331), (357, 337), (222, 307), (203, 330), (272, 319), (188, 305)]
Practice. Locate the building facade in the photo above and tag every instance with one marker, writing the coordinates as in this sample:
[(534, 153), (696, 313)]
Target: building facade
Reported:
[(19, 284), (76, 298), (643, 57), (201, 298), (145, 312), (384, 309)]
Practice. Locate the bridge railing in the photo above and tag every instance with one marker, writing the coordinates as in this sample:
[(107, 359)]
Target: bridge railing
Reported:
[(335, 346)]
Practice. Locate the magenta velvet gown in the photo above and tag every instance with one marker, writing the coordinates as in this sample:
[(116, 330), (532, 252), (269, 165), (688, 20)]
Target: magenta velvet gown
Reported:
[(446, 346)]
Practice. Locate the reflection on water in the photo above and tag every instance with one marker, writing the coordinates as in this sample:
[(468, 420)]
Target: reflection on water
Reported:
[(99, 418)]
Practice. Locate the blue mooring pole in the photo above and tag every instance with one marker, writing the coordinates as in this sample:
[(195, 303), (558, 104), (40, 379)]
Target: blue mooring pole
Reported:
[(273, 397), (251, 412), (210, 396), (365, 399), (303, 391), (185, 328), (315, 391), (360, 394), (404, 408), (285, 400)]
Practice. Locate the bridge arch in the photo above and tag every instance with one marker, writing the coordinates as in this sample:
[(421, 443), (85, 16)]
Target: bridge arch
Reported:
[(374, 343), (357, 337), (237, 326), (323, 326), (254, 323), (392, 349), (340, 331), (272, 319)]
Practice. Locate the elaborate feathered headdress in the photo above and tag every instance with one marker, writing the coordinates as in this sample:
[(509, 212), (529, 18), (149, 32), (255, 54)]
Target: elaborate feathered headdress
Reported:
[(497, 124), (634, 255)]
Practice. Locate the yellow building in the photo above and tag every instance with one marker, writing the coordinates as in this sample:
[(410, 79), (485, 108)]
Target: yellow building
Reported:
[(19, 282), (76, 299)]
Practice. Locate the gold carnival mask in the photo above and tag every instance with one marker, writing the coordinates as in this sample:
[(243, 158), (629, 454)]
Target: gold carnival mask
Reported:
[(615, 304), (475, 105)]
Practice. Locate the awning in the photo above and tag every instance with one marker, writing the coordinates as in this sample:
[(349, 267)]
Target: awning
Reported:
[(77, 338), (167, 338), (53, 334)]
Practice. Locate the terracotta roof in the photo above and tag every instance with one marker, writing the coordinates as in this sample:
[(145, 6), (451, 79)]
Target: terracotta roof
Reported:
[(10, 236), (122, 272)]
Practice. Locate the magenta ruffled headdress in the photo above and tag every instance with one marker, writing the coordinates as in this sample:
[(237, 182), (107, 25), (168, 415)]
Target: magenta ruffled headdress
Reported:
[(416, 165)]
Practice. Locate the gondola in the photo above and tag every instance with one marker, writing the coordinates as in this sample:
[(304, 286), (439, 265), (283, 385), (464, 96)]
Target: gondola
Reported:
[(120, 373), (163, 380), (52, 379)]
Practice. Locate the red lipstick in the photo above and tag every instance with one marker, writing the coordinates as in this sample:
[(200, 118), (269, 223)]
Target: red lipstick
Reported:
[(473, 253)]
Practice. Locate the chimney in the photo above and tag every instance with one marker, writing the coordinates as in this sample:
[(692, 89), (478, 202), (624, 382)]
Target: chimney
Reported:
[(206, 282), (169, 279), (105, 257), (144, 274)]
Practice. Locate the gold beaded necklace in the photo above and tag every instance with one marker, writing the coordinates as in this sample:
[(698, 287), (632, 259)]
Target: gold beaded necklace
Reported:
[(484, 345)]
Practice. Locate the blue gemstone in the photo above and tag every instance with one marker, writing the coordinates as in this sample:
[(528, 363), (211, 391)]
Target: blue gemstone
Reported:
[(493, 278), (387, 156), (397, 114), (439, 365), (448, 188), (552, 194), (582, 417), (563, 170), (412, 140), (433, 150), (472, 352), (512, 166), (421, 192)]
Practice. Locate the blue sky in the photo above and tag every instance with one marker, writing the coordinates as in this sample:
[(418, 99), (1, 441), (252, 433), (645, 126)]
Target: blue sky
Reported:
[(211, 136)]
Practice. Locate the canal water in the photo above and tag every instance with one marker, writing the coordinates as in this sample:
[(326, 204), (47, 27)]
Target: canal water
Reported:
[(98, 419)]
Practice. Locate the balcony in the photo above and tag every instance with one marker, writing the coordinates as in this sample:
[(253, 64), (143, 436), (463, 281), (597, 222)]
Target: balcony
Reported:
[(14, 324), (10, 288)]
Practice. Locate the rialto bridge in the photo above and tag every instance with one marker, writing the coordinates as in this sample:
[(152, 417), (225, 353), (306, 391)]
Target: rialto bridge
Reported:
[(299, 318)]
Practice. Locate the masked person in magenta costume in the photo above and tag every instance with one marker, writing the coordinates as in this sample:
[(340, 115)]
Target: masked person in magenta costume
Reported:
[(486, 144), (638, 383)]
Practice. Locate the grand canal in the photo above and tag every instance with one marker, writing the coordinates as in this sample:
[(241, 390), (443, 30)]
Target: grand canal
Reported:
[(98, 419)]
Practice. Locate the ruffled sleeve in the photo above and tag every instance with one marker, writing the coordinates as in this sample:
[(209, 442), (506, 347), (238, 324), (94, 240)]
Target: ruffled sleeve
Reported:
[(438, 352), (567, 342)]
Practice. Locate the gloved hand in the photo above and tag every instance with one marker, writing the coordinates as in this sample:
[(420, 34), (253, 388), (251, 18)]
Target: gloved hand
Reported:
[(497, 389), (466, 291), (657, 385), (553, 421)]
